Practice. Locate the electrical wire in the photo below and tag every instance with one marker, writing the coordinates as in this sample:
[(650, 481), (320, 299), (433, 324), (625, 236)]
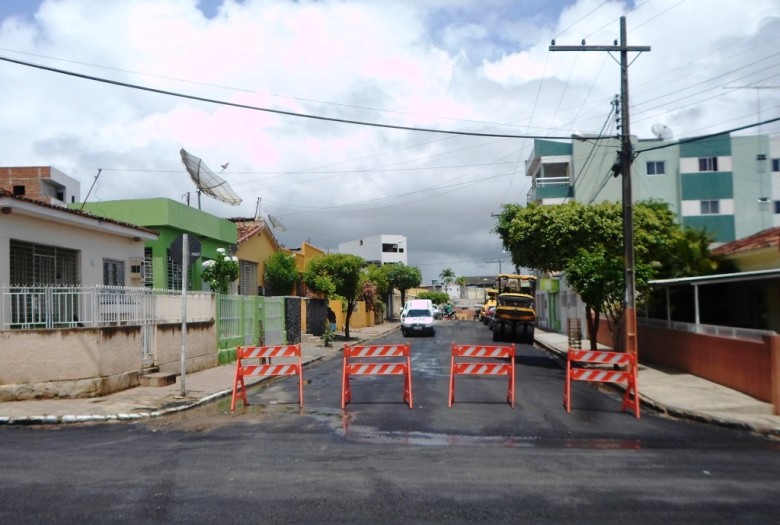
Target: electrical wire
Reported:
[(267, 110)]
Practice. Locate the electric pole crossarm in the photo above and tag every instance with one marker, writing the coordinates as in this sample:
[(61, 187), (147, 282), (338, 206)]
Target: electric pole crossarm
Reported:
[(637, 49)]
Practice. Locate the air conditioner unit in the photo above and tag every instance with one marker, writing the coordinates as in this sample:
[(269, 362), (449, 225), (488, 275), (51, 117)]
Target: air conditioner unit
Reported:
[(136, 268)]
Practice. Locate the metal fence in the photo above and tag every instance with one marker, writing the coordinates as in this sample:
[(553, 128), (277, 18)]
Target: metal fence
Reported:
[(36, 307), (746, 334)]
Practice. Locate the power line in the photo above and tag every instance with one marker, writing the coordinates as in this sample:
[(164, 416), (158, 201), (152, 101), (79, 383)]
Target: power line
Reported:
[(269, 110)]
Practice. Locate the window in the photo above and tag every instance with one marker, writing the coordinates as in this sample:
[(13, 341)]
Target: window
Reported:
[(775, 164), (40, 264), (18, 190), (777, 206), (247, 279), (708, 163), (113, 272), (710, 207), (656, 167)]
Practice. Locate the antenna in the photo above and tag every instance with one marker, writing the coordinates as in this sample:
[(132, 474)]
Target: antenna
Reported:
[(90, 189), (276, 223), (662, 132), (207, 181), (257, 208)]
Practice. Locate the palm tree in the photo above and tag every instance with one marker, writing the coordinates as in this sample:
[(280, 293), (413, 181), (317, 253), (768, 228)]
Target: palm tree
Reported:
[(447, 276), (461, 281)]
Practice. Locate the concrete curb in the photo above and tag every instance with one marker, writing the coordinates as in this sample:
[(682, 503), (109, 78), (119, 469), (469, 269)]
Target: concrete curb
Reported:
[(679, 413), (122, 417)]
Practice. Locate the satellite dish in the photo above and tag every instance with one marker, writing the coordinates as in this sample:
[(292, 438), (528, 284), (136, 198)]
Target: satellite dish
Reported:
[(276, 223), (662, 131), (207, 181)]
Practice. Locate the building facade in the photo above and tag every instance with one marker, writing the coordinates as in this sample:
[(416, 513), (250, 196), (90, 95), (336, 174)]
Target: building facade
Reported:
[(728, 185), (378, 249), (40, 183)]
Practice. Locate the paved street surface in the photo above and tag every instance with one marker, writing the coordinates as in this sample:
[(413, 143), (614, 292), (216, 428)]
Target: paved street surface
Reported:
[(379, 461)]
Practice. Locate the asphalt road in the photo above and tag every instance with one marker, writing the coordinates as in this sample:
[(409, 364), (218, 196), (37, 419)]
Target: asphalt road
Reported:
[(381, 462)]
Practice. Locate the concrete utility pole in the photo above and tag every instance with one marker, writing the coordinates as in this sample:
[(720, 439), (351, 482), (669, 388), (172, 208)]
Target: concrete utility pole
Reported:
[(626, 158)]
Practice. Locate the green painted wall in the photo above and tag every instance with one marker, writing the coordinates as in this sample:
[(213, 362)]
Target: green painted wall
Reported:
[(707, 185), (554, 192), (717, 146), (722, 226), (549, 148)]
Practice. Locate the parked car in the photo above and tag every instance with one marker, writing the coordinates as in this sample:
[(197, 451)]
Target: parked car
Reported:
[(418, 319)]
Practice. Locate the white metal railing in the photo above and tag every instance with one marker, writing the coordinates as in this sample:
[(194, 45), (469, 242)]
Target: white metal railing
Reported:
[(747, 334), (28, 307)]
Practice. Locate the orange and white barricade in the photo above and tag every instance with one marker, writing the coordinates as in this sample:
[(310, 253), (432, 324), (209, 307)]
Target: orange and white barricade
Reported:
[(627, 375), (354, 365), (290, 366), (483, 368)]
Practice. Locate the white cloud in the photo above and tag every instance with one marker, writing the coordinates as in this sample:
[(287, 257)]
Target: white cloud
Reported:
[(466, 65)]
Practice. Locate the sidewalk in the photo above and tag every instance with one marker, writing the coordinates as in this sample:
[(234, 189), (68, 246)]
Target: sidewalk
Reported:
[(668, 391), (687, 396)]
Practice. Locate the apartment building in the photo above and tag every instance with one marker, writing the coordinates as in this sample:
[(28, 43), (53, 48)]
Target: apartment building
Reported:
[(729, 185)]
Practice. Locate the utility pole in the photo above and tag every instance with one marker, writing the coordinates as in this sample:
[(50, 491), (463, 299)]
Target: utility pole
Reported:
[(499, 261), (626, 158)]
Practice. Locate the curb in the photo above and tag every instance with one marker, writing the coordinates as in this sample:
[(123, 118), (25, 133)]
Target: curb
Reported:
[(679, 413), (97, 418)]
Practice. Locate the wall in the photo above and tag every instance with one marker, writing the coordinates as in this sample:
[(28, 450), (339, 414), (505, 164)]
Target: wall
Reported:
[(745, 366), (201, 346), (90, 362), (80, 362)]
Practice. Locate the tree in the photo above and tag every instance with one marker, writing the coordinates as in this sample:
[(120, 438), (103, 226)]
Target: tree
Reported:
[(461, 281), (336, 274), (447, 277), (435, 297), (403, 277), (280, 274), (219, 273), (587, 240)]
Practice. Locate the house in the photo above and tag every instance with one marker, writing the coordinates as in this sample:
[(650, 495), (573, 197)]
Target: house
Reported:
[(47, 244), (378, 249), (161, 261), (256, 243), (40, 183)]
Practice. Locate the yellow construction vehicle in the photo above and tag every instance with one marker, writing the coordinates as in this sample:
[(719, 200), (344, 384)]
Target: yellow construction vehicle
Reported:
[(515, 315), (490, 300)]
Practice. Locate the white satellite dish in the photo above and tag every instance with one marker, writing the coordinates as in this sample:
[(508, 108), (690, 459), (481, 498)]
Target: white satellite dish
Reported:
[(276, 223), (207, 181), (662, 132)]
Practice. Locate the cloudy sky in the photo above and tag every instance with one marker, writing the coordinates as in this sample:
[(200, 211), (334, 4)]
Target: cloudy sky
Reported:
[(480, 66)]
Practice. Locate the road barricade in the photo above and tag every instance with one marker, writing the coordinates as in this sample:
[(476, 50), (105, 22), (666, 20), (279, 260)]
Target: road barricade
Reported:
[(483, 368), (360, 367), (628, 374), (290, 366)]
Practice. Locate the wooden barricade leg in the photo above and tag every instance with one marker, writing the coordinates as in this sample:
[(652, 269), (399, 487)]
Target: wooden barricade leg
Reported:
[(567, 385), (238, 380), (346, 392), (408, 381), (452, 380), (631, 390), (300, 378), (510, 396)]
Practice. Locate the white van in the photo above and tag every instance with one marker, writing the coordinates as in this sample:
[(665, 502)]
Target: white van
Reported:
[(417, 318)]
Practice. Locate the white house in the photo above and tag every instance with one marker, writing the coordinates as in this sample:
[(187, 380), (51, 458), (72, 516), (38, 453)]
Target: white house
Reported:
[(45, 244), (378, 249)]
